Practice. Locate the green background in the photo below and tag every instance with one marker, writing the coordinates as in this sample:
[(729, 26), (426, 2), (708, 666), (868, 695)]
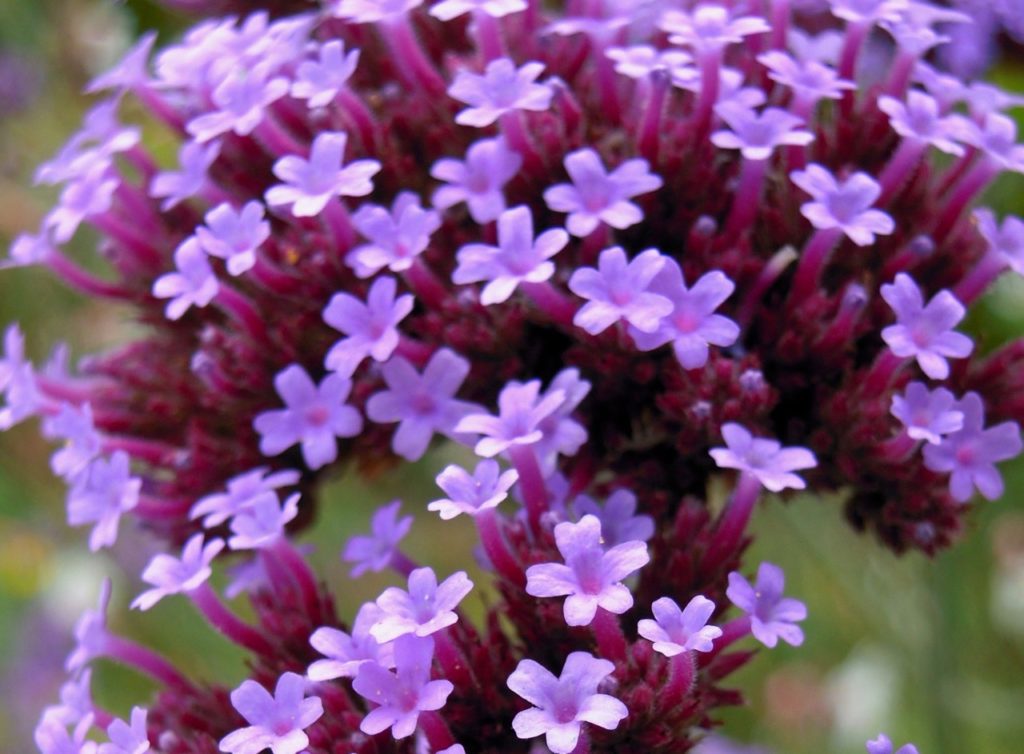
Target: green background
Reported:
[(929, 650)]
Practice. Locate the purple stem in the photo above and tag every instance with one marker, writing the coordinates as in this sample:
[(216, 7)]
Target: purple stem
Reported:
[(897, 449), (856, 35), (710, 72), (436, 730), (733, 521), (361, 116), (488, 34), (531, 483), (746, 198), (881, 373), (963, 193), (611, 642), (649, 133), (225, 621), (410, 59), (276, 140), (414, 351), (682, 676), (152, 451), (900, 73), (771, 272), (402, 563), (339, 225), (900, 168), (518, 139), (145, 661), (812, 262), (732, 632), (552, 302), (296, 565), (242, 311), (780, 24), (453, 662), (977, 281), (86, 282), (425, 284), (489, 528)]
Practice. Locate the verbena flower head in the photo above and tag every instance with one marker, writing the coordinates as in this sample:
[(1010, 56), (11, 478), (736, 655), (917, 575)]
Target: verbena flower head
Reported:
[(562, 704), (170, 575), (359, 252), (276, 722)]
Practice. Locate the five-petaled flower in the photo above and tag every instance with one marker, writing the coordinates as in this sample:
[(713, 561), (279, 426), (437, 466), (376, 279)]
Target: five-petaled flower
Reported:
[(772, 616), (427, 607), (276, 722), (502, 88), (675, 631), (763, 458)]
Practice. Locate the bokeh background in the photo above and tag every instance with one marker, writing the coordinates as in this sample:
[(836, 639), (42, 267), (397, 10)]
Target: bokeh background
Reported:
[(929, 650)]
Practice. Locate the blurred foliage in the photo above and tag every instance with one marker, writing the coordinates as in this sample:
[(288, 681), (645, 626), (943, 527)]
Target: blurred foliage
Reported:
[(932, 651)]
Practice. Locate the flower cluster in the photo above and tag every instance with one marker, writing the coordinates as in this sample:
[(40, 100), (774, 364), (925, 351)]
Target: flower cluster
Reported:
[(615, 250)]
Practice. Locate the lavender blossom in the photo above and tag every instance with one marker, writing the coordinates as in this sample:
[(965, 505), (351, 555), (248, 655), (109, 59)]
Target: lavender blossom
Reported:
[(927, 415), (872, 11), (241, 100), (262, 524), (521, 410), (591, 577), (193, 283), (675, 631), (883, 745), (90, 632), (275, 722), (234, 236), (619, 519), (82, 443), (446, 10), (52, 736), (86, 196), (757, 134), (127, 738), (474, 493), (319, 81), (925, 331), (103, 491), (561, 705), (810, 80), (765, 459), (376, 551), (518, 258), (1005, 240), (396, 237), (170, 575), (479, 180), (426, 608), (310, 184), (772, 616), (401, 696), (692, 325), (709, 27), (596, 196), (175, 187), (561, 433), (372, 11), (844, 206), (346, 653), (503, 88), (640, 61), (313, 417), (371, 327), (242, 491), (618, 290), (970, 454), (921, 119)]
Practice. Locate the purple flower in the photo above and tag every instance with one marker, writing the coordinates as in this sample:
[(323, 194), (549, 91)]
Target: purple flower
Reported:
[(170, 575), (764, 458), (501, 89), (560, 706), (925, 332), (422, 403), (517, 258), (619, 520), (562, 435), (376, 551), (675, 631), (75, 699), (310, 184), (692, 325), (426, 608), (86, 196), (997, 138), (927, 415), (970, 454), (872, 11), (596, 196), (241, 493), (1006, 240), (346, 653), (275, 722), (101, 493), (174, 187), (640, 61), (883, 745), (921, 119), (446, 10), (125, 738), (241, 99), (618, 289), (396, 237), (709, 27), (90, 632), (844, 206), (52, 736), (319, 81), (131, 71), (401, 695), (193, 284), (234, 236), (472, 493), (21, 393), (314, 416), (372, 328), (810, 80), (479, 180), (757, 134), (261, 524), (520, 413), (14, 355), (591, 577), (81, 442), (372, 11), (772, 616)]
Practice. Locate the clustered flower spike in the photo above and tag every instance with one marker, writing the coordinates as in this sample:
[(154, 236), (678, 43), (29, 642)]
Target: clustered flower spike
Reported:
[(590, 244)]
